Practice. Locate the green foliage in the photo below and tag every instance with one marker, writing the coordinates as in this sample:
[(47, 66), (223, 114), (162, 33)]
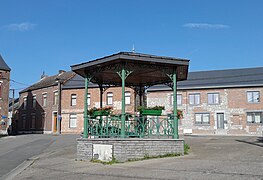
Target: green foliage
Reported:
[(146, 156), (179, 114), (140, 108), (186, 148), (113, 161), (105, 110)]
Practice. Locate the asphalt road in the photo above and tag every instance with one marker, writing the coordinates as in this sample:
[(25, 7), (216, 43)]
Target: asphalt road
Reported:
[(15, 150)]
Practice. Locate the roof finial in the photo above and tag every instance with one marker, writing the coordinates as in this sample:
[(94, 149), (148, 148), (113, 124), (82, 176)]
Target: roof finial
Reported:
[(43, 75), (133, 48)]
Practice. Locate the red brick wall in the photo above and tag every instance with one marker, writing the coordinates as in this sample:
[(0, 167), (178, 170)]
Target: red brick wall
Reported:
[(67, 109), (4, 98), (42, 126)]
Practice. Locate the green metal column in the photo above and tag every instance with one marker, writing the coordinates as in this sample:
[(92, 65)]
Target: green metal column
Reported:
[(175, 120), (123, 102), (86, 117)]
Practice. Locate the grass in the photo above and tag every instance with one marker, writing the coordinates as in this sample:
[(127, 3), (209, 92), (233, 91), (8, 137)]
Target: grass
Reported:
[(146, 156), (186, 149), (113, 161)]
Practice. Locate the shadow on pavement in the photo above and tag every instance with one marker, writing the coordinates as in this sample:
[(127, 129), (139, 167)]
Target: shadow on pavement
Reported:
[(260, 139), (259, 142)]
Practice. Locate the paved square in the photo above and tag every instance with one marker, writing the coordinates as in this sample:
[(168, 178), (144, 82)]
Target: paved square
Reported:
[(211, 157)]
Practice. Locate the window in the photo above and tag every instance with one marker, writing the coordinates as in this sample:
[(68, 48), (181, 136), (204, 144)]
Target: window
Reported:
[(44, 100), (33, 121), (1, 84), (34, 101), (202, 118), (43, 119), (127, 97), (213, 98), (73, 99), (179, 99), (23, 122), (109, 98), (24, 102), (55, 98), (72, 120), (253, 96), (0, 90), (88, 99), (194, 99), (254, 117)]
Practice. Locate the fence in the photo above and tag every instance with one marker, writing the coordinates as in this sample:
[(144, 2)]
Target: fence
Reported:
[(135, 126)]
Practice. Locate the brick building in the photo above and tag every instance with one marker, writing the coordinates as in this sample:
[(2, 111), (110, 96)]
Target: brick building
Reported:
[(39, 104), (216, 102), (213, 102), (73, 102), (4, 95)]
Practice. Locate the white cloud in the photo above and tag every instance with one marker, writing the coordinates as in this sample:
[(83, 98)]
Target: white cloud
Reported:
[(205, 26), (22, 27)]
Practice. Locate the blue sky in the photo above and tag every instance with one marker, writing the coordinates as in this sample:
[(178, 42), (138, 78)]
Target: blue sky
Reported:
[(48, 35)]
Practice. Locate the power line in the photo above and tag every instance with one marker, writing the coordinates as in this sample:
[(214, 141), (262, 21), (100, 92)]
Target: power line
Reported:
[(11, 80), (17, 89), (18, 82)]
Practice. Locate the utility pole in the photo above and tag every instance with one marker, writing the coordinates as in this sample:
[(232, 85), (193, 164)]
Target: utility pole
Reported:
[(13, 102), (10, 121), (59, 108)]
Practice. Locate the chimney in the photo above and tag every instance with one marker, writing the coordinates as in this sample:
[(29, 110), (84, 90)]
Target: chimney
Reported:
[(61, 71)]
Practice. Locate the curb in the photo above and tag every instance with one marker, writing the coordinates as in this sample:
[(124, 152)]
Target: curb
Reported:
[(21, 167)]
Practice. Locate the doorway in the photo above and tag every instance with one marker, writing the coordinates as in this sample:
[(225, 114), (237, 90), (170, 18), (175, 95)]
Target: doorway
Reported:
[(220, 120), (55, 117)]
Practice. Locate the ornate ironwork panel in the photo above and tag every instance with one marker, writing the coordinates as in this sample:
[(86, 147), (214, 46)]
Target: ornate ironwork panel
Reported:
[(135, 126)]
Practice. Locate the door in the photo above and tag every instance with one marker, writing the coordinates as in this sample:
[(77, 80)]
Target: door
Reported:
[(55, 115), (220, 120)]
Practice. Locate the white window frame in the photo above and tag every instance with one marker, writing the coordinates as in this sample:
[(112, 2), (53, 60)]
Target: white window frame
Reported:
[(109, 98), (127, 97), (88, 99), (196, 99), (73, 100), (179, 100), (214, 98), (72, 120), (202, 116), (44, 100), (55, 100), (254, 98), (253, 117)]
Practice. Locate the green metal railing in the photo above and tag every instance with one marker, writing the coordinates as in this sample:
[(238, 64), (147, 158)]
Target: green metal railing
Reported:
[(135, 126)]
